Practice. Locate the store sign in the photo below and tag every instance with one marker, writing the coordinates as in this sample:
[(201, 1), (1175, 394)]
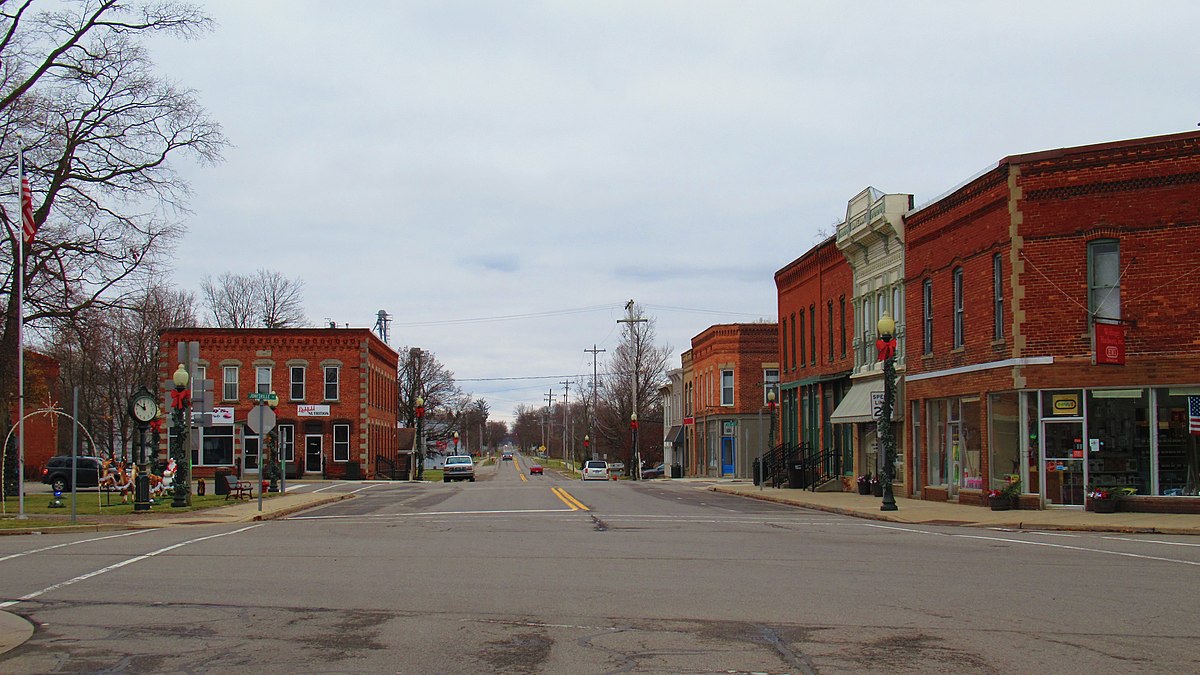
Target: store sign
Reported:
[(689, 420), (1065, 405), (312, 411), (1110, 343), (728, 427)]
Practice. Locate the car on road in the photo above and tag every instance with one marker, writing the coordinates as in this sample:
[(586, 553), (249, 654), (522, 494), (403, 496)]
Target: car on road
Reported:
[(506, 456), (57, 473), (535, 469), (617, 468), (652, 472), (458, 467), (595, 469)]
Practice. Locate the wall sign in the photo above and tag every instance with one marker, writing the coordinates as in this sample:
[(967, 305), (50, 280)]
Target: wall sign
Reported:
[(728, 427), (312, 411), (1065, 405), (1110, 343)]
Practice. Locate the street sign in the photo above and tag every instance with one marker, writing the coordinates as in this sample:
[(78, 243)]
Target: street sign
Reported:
[(256, 396), (261, 419)]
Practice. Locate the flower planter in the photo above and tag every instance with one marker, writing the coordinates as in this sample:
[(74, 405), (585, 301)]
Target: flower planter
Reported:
[(1104, 505), (877, 489), (864, 488), (1000, 504)]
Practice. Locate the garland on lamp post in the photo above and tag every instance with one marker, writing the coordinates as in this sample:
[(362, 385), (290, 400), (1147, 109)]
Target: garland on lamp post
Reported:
[(181, 488), (886, 345)]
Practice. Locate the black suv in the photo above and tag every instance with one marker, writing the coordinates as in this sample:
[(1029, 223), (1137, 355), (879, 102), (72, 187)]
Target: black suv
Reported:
[(57, 473)]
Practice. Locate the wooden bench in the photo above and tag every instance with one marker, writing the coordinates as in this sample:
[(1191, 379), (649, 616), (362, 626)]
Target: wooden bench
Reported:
[(238, 489)]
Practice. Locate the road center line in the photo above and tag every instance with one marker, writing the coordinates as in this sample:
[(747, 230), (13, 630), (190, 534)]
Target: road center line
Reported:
[(118, 565), (72, 543)]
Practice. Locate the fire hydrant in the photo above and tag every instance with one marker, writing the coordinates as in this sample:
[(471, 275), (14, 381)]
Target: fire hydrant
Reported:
[(200, 486)]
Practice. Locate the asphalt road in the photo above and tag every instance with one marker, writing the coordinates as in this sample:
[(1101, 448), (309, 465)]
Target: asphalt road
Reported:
[(539, 574)]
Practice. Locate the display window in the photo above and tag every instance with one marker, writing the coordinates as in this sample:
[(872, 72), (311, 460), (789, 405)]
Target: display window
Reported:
[(1178, 412), (1118, 439), (1004, 422)]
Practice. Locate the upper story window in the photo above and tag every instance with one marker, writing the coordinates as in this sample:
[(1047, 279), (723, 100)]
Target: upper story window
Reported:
[(229, 383), (687, 400), (793, 344), (997, 298), (332, 374), (927, 315), (262, 379), (868, 320), (726, 387), (802, 338), (783, 341), (842, 315), (1104, 279), (829, 316), (770, 383), (296, 383), (812, 334), (959, 328), (198, 382)]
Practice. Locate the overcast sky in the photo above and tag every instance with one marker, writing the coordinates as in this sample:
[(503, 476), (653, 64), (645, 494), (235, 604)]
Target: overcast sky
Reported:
[(446, 161)]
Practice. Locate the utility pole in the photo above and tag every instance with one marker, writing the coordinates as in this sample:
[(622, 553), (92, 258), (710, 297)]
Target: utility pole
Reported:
[(546, 436), (633, 322), (592, 418), (566, 419)]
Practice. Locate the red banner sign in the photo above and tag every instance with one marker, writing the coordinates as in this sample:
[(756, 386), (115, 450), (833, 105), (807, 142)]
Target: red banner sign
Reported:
[(1110, 343)]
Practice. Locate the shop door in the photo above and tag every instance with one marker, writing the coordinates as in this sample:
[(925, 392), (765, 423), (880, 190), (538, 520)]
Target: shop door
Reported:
[(312, 454), (1064, 463), (727, 454)]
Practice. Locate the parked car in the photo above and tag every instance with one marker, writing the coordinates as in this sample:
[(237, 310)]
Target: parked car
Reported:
[(652, 472), (595, 469), (458, 467), (617, 468), (57, 473)]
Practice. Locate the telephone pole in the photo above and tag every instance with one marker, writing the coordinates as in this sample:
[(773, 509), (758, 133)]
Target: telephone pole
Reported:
[(595, 376), (566, 420), (633, 322), (549, 402)]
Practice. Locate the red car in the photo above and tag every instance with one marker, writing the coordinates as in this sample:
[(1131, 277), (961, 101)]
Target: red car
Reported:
[(535, 468)]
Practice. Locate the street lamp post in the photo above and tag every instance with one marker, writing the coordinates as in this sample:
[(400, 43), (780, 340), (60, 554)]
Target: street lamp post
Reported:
[(762, 470), (274, 464), (587, 441), (181, 481), (886, 345), (419, 409), (456, 442), (635, 456)]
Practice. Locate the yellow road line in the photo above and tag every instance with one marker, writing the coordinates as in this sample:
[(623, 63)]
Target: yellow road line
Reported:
[(518, 465), (569, 500)]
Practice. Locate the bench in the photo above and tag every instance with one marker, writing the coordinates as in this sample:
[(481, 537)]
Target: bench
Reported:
[(239, 489)]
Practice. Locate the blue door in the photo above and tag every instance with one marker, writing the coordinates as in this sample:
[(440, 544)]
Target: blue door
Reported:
[(727, 455)]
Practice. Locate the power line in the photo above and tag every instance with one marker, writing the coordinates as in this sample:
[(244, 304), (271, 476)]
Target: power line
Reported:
[(508, 317), (702, 311)]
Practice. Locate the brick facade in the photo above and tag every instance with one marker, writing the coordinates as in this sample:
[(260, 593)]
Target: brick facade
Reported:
[(42, 390), (364, 404)]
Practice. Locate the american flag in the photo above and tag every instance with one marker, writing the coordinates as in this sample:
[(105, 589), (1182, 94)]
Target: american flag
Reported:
[(27, 223), (1194, 414)]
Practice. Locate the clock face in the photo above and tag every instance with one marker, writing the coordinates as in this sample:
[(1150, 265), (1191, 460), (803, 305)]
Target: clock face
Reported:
[(145, 408)]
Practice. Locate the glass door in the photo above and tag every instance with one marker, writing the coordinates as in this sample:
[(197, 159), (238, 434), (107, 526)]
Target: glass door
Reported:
[(1064, 462)]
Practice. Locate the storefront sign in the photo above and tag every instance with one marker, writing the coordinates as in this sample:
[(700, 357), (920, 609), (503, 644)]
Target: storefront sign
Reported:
[(1066, 405), (728, 427), (219, 415), (1110, 343), (312, 411), (689, 420)]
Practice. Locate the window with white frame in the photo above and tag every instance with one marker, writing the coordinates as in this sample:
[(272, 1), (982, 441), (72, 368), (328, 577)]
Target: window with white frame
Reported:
[(229, 383), (770, 383), (927, 315), (726, 387), (262, 379), (287, 442), (198, 381), (959, 328), (331, 382), (341, 442), (296, 384), (1104, 279), (997, 298)]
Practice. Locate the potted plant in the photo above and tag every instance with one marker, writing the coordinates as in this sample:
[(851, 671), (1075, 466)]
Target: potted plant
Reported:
[(1006, 497), (864, 484), (1104, 499), (876, 486)]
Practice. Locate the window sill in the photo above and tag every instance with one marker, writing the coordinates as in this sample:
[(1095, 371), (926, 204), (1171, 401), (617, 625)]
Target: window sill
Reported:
[(958, 350)]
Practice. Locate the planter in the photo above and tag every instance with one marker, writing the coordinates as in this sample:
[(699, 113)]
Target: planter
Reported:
[(1000, 504), (877, 489), (864, 488), (1104, 505)]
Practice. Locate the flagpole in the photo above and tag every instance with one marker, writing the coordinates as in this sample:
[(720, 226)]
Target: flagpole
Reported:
[(20, 335)]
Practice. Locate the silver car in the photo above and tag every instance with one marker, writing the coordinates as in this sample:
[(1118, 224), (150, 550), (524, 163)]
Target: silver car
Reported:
[(595, 469), (458, 467)]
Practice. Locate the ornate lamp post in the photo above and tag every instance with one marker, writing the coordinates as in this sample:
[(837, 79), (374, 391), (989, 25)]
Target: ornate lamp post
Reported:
[(274, 466), (886, 345), (635, 456), (181, 482), (762, 470), (456, 442), (587, 442), (420, 411)]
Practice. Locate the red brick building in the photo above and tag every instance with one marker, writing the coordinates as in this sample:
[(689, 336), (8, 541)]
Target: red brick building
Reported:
[(42, 390), (337, 413), (731, 366), (816, 333), (1052, 306)]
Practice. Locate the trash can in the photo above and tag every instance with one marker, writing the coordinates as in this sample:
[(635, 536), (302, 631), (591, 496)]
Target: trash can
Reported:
[(796, 475), (676, 471), (757, 471), (220, 484)]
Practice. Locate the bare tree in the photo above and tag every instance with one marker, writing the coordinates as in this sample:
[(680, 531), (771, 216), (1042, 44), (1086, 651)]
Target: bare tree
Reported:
[(265, 299), (635, 359), (101, 131)]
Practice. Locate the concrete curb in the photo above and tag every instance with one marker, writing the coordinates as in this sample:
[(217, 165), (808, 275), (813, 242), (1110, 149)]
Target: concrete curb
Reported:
[(14, 631)]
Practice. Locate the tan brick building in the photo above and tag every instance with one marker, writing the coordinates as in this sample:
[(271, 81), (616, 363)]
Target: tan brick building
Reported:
[(337, 413)]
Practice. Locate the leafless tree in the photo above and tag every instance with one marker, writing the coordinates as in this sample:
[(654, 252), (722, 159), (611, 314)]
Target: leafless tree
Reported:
[(635, 359), (101, 132), (265, 299)]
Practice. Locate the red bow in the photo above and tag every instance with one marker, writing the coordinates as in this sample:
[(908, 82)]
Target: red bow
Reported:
[(157, 424), (179, 399), (887, 348)]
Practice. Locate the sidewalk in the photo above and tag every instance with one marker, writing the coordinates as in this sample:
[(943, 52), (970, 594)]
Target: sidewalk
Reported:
[(921, 512)]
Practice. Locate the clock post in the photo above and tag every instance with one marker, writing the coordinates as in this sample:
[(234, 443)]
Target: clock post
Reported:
[(143, 407)]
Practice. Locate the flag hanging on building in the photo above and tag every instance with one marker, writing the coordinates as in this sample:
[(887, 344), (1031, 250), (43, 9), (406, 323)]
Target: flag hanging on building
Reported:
[(1194, 414), (27, 223)]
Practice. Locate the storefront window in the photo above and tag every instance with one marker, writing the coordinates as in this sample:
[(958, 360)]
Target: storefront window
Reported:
[(1178, 449), (972, 445), (1033, 454), (1118, 439), (936, 412), (218, 446), (1005, 445)]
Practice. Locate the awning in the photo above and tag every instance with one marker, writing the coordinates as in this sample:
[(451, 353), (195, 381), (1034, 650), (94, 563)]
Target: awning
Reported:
[(675, 435), (856, 404)]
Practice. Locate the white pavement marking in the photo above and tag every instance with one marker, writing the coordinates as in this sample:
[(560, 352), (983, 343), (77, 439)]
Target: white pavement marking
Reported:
[(118, 565), (430, 513), (72, 543), (1052, 534), (1153, 541), (365, 487), (1040, 543)]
